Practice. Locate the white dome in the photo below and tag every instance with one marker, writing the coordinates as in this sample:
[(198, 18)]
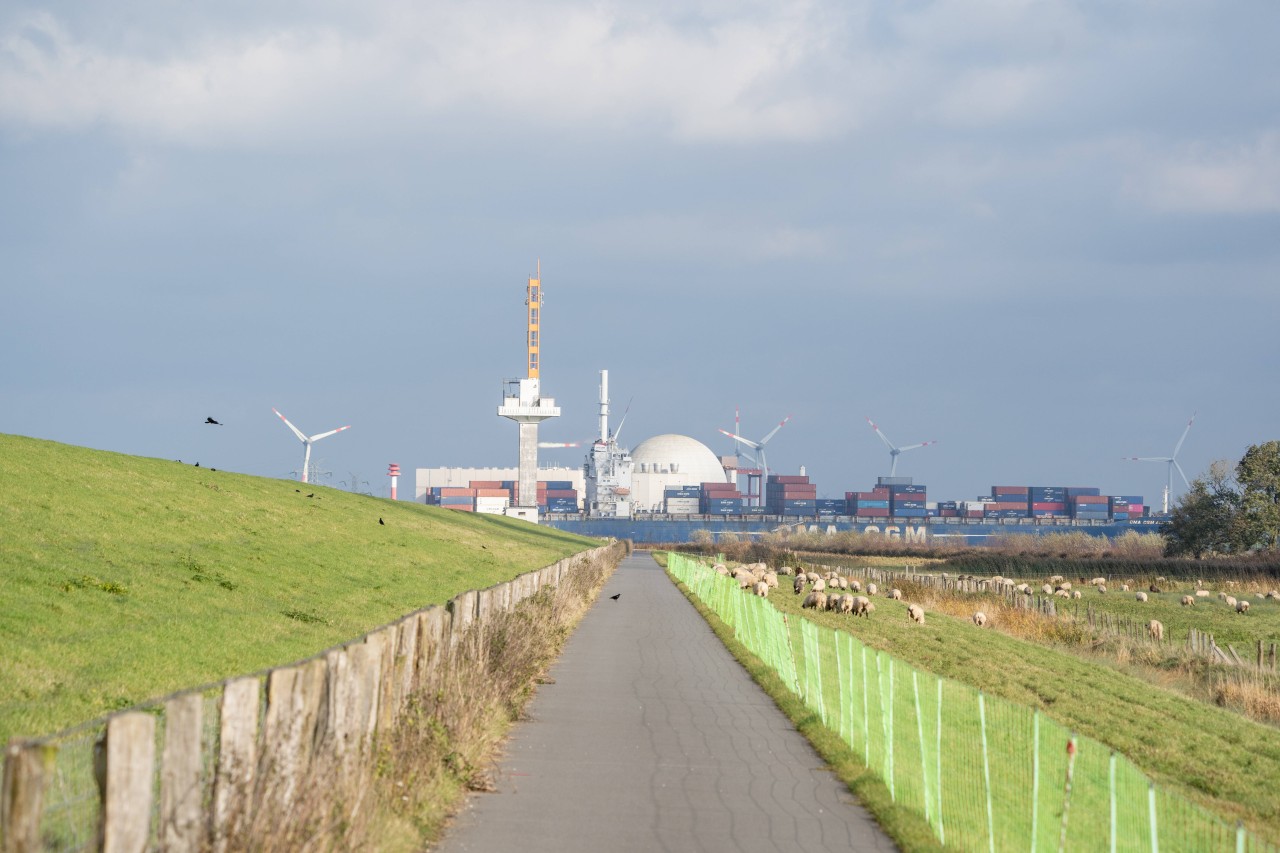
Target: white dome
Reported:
[(669, 460)]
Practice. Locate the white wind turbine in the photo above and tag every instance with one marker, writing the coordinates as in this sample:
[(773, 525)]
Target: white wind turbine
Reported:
[(758, 447), (895, 451), (307, 441), (1171, 460)]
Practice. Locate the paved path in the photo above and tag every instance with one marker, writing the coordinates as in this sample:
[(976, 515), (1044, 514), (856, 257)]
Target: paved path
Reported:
[(652, 737)]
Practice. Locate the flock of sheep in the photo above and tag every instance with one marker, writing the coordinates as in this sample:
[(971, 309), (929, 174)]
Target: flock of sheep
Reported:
[(836, 592), (830, 591)]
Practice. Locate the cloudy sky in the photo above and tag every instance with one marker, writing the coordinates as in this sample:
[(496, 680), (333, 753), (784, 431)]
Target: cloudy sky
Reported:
[(1043, 233)]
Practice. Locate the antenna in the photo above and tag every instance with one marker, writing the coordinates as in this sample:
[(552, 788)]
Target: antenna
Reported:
[(307, 441), (1171, 460), (895, 452), (758, 447)]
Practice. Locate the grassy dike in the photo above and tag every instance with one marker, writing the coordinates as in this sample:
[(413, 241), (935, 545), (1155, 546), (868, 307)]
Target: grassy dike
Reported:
[(908, 829), (125, 578)]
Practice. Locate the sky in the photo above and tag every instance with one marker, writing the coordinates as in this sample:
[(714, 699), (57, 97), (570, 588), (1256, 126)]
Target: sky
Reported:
[(1042, 233)]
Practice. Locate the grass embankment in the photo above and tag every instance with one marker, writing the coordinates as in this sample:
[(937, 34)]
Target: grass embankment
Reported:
[(1218, 759), (126, 578)]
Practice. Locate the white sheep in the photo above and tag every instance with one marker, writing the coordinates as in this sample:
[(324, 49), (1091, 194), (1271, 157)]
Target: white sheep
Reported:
[(746, 580), (1273, 595), (1222, 596), (721, 569), (1156, 629), (799, 585), (1075, 593), (855, 586), (1124, 587), (819, 585), (1102, 590), (762, 589), (895, 594), (785, 570), (1141, 596), (1023, 588), (1203, 593), (980, 619), (1242, 606), (1231, 601), (871, 588), (1098, 581), (916, 612), (1062, 593), (846, 603), (1046, 589), (1188, 601), (815, 600), (863, 606), (1056, 579), (812, 577), (771, 578)]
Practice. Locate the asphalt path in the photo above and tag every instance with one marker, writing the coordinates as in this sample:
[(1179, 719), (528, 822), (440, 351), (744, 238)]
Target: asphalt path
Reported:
[(649, 737)]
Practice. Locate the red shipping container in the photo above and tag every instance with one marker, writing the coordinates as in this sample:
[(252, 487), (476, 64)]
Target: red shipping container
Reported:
[(796, 491), (492, 493), (873, 512), (1052, 507), (460, 507), (1090, 499), (788, 478), (560, 493), (948, 513), (1010, 490), (457, 492), (974, 513), (1006, 505), (486, 484)]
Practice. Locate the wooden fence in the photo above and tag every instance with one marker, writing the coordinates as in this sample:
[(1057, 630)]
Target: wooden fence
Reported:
[(273, 739)]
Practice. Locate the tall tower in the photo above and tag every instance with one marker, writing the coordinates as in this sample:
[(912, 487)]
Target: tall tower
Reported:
[(522, 402), (608, 468)]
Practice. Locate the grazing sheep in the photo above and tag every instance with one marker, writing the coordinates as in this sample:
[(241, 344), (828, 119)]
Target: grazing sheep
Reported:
[(762, 589), (1065, 585), (1023, 588), (799, 585), (746, 581), (895, 594), (1124, 587), (785, 570), (833, 601), (980, 619), (862, 606), (1188, 600), (1057, 579), (1098, 581), (916, 612), (819, 585), (812, 577), (1102, 590), (721, 569), (871, 588), (846, 603), (1046, 589), (1203, 593), (1242, 606), (855, 586), (1075, 593), (1153, 588), (1231, 601), (1273, 595), (771, 578), (843, 583), (1141, 596), (815, 600), (1156, 629)]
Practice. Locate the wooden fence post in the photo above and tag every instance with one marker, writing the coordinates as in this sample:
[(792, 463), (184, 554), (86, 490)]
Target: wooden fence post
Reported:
[(181, 775), (27, 768), (125, 766), (237, 761)]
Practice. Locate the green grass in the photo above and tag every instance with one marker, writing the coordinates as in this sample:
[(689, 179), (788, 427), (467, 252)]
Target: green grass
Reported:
[(1216, 758), (124, 578)]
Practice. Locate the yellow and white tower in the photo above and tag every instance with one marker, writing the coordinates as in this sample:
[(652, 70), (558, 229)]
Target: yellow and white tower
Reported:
[(522, 402)]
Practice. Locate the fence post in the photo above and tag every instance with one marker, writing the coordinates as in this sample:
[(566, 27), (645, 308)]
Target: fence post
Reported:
[(1035, 778), (1151, 813), (1111, 782), (1066, 797), (942, 831), (26, 771), (237, 759), (924, 765), (180, 771), (866, 713), (125, 767), (986, 773)]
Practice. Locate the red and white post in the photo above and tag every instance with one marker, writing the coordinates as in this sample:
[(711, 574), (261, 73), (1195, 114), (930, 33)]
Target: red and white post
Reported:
[(393, 471)]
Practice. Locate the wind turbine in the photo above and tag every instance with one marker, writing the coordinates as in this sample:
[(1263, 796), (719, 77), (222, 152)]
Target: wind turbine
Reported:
[(758, 447), (895, 451), (306, 441), (1171, 460), (737, 442)]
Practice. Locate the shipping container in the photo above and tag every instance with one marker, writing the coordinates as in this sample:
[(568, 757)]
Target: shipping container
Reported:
[(682, 492), (1010, 490), (1051, 506), (902, 512), (897, 505), (871, 504), (913, 489), (460, 507), (492, 493), (1081, 500), (1077, 491), (1006, 513), (486, 484), (562, 493), (555, 484), (830, 503), (872, 512), (456, 492), (787, 478)]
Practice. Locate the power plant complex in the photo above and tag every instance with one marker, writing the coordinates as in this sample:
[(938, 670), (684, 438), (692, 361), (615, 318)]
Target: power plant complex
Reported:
[(670, 486)]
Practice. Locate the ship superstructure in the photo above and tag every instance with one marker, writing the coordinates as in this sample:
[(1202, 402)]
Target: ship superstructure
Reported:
[(608, 467)]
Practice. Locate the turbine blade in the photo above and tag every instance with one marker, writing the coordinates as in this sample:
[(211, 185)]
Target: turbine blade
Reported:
[(753, 445), (882, 435), (1180, 471), (1178, 446), (319, 436), (550, 444), (774, 432), (1149, 458), (914, 446), (296, 431)]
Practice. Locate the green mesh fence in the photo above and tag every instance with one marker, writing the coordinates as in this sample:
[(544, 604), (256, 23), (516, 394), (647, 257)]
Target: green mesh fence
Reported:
[(985, 773)]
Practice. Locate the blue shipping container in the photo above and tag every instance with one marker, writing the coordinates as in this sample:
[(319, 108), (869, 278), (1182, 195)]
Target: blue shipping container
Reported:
[(1080, 491), (908, 513), (914, 489), (897, 505)]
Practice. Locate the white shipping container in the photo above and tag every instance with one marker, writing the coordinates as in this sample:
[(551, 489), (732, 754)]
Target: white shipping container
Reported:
[(682, 506), (492, 506)]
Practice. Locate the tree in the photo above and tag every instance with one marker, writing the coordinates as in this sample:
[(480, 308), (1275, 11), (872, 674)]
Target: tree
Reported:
[(1205, 519), (1258, 473)]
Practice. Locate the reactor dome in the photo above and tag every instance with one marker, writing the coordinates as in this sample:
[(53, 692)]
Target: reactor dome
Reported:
[(666, 461)]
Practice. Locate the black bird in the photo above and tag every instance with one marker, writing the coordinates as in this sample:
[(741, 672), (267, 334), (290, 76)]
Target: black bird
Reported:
[(312, 495), (486, 547), (212, 421), (197, 464), (616, 597), (299, 491), (380, 521)]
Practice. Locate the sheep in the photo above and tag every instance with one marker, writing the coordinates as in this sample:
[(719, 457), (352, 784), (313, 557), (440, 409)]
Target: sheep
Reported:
[(1188, 600), (1102, 590), (895, 594), (819, 585), (1057, 579), (721, 569), (1098, 582), (916, 612), (1156, 629), (799, 585), (855, 586), (1153, 588), (1242, 606), (1046, 589), (815, 600), (1065, 585), (833, 601), (846, 603), (843, 583), (785, 570), (746, 581), (1062, 593), (1222, 596), (1023, 588), (1141, 596), (1124, 587), (1075, 593), (812, 577), (771, 578), (761, 589), (1203, 593), (980, 619), (863, 606), (871, 588), (1231, 602), (1273, 595)]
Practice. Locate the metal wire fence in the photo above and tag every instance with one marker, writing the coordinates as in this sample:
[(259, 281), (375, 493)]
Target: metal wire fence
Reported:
[(985, 773)]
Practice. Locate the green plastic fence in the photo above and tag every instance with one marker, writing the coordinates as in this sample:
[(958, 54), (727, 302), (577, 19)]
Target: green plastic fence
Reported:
[(985, 773)]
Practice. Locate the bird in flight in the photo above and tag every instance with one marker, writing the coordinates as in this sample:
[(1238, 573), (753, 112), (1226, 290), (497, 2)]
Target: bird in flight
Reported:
[(212, 421), (616, 597)]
